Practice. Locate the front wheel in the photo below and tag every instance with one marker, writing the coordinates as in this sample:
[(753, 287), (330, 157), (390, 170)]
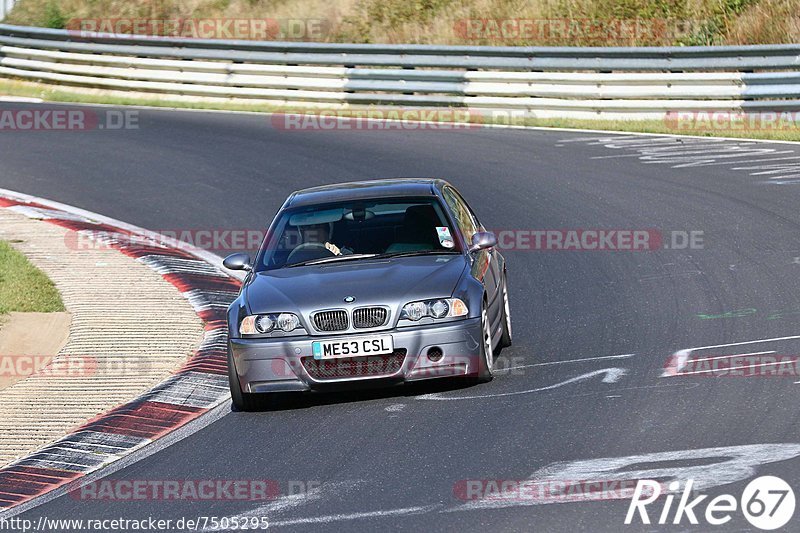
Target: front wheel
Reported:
[(505, 335), (242, 401), (486, 357)]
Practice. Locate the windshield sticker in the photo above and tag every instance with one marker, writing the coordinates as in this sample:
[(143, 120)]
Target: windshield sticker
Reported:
[(445, 239)]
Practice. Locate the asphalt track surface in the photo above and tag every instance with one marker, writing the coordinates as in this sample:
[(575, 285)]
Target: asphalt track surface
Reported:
[(392, 460)]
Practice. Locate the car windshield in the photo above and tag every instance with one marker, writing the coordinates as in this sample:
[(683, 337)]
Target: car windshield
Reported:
[(356, 230)]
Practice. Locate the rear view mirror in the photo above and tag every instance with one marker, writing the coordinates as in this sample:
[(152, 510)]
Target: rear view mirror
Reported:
[(237, 262), (483, 240)]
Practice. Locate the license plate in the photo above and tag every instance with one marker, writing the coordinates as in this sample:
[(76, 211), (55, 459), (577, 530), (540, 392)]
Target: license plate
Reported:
[(353, 347)]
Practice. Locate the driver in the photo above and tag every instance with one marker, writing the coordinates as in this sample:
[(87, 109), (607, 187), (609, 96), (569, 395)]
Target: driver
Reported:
[(321, 233)]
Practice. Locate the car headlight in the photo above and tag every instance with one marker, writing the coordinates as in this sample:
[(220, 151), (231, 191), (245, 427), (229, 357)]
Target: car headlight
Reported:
[(288, 322), (265, 323), (260, 324), (439, 308)]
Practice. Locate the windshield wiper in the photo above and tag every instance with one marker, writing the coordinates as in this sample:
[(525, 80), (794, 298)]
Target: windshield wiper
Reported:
[(334, 259), (417, 252), (350, 257)]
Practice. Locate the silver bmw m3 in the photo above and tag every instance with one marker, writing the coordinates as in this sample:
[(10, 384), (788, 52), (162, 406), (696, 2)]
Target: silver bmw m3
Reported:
[(374, 282)]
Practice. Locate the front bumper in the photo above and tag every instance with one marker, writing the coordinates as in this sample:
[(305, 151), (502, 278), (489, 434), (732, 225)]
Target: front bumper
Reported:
[(277, 365)]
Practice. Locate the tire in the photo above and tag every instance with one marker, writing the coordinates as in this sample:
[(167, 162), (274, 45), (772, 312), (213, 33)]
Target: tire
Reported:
[(242, 401), (505, 335), (486, 358)]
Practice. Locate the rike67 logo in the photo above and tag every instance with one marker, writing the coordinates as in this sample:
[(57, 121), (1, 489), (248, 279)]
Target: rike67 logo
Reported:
[(767, 503)]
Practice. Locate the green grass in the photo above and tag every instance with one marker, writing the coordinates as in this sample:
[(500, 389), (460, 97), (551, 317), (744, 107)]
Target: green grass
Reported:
[(23, 287), (9, 87), (59, 94), (677, 22)]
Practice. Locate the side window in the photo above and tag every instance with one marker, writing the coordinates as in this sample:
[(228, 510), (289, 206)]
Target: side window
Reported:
[(466, 222), (475, 220)]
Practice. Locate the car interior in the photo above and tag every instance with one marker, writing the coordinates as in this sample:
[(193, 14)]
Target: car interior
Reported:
[(364, 228)]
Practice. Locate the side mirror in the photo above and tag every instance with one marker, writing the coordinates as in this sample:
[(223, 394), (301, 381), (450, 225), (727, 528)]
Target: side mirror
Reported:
[(237, 262), (483, 240)]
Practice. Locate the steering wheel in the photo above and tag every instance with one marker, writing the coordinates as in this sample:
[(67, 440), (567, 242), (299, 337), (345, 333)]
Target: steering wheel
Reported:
[(308, 252)]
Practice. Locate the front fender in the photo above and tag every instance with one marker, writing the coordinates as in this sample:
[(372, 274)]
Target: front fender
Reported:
[(471, 291)]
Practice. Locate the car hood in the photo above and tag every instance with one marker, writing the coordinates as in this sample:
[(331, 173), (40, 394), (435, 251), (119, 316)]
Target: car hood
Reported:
[(392, 282)]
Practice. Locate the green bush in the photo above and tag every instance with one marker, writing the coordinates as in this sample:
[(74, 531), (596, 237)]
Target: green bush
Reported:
[(53, 17)]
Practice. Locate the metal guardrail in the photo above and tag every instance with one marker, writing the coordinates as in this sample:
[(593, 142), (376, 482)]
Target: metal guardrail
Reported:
[(5, 8), (593, 82)]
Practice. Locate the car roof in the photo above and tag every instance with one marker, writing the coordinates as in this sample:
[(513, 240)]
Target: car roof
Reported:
[(357, 190)]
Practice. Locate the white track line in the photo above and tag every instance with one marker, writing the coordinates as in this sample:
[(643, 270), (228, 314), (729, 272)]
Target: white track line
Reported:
[(610, 375), (682, 356), (621, 356), (327, 519), (21, 100), (712, 371), (290, 502), (731, 356), (205, 255)]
